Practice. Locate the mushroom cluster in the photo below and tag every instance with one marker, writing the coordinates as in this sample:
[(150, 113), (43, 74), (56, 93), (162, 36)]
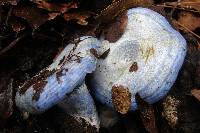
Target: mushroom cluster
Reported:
[(145, 60)]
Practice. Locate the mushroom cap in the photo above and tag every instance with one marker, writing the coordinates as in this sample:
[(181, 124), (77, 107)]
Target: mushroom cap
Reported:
[(145, 60), (51, 85)]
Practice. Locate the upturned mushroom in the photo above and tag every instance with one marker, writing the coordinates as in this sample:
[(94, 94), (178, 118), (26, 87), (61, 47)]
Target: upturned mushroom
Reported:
[(145, 60), (51, 85)]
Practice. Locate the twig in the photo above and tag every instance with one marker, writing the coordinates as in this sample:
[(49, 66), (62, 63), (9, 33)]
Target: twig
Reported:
[(179, 8), (12, 44), (8, 16), (0, 14), (187, 29), (173, 9)]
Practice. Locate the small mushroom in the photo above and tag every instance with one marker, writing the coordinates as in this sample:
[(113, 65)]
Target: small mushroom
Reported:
[(145, 60), (81, 107), (52, 84)]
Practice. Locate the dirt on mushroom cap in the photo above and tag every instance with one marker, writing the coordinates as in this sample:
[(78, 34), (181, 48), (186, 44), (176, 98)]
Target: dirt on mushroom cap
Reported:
[(121, 98)]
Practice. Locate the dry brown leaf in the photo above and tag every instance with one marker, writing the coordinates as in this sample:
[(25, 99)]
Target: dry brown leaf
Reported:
[(180, 26), (34, 16), (79, 16), (147, 115), (196, 93), (55, 7), (53, 15), (116, 29), (119, 6), (189, 20), (12, 2), (198, 46)]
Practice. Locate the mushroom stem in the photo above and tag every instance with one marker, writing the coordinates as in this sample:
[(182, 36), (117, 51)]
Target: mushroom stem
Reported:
[(108, 116), (80, 105)]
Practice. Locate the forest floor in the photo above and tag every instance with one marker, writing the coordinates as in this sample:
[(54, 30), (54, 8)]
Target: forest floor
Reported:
[(32, 33)]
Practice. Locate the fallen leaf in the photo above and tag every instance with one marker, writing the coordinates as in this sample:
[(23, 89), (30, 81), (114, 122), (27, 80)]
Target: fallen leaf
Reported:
[(12, 2), (79, 16), (94, 52), (34, 16), (189, 20), (180, 26), (147, 115), (198, 46), (196, 93), (53, 15), (116, 29), (105, 54), (55, 7), (119, 6)]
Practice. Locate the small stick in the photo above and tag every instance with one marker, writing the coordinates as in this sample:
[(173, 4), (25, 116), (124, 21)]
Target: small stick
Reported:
[(12, 44), (179, 8), (8, 16), (185, 28)]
